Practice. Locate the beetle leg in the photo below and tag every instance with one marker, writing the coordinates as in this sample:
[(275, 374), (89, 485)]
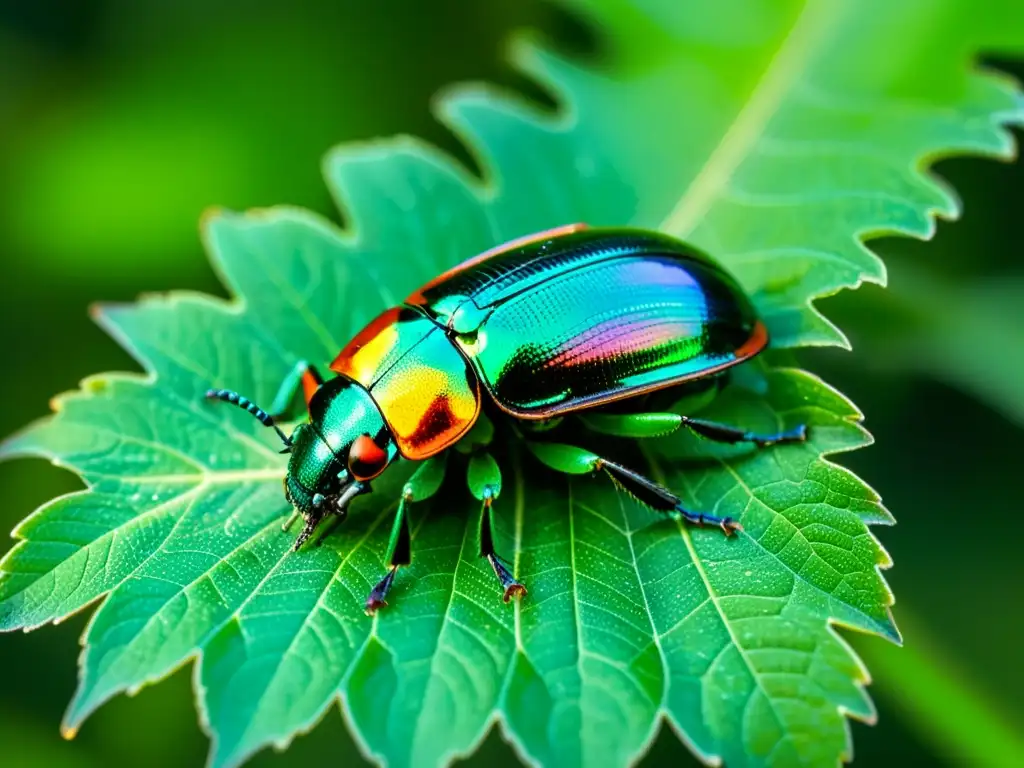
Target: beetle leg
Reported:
[(660, 498), (723, 433), (399, 553), (304, 375), (641, 425), (423, 484), (510, 587), (484, 479), (576, 461), (339, 511)]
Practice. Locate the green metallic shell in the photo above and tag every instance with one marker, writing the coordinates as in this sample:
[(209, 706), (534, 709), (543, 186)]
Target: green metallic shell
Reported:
[(312, 468), (342, 410), (580, 319)]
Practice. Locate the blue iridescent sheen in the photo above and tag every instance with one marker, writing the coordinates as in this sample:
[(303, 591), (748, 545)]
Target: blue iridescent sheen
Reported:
[(593, 316)]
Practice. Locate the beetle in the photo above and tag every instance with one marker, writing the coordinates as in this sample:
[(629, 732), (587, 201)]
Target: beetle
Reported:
[(559, 322)]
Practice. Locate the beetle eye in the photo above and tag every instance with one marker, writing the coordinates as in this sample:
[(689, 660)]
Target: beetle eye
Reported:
[(366, 459), (318, 499)]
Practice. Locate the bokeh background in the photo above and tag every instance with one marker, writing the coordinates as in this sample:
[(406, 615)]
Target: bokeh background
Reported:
[(120, 122)]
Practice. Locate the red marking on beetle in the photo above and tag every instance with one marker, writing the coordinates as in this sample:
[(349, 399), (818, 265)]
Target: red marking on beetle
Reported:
[(369, 333), (366, 459), (438, 419), (758, 340), (310, 384)]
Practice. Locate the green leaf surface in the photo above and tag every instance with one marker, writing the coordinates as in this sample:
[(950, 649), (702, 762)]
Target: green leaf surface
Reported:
[(773, 134)]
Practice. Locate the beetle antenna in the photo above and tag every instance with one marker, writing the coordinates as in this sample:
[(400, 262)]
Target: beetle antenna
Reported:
[(228, 396)]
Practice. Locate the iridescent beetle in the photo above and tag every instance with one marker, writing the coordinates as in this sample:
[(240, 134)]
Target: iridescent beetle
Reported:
[(562, 321)]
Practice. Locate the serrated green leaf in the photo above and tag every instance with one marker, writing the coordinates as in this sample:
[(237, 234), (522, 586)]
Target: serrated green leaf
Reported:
[(772, 134)]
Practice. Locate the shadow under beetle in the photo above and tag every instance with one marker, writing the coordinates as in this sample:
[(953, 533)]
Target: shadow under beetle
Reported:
[(556, 322)]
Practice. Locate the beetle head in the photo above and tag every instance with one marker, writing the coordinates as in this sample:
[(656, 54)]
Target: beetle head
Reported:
[(344, 445)]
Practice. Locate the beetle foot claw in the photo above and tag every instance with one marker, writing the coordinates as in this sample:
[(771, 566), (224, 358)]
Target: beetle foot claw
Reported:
[(511, 588), (378, 593), (374, 603), (730, 526), (515, 589), (796, 435)]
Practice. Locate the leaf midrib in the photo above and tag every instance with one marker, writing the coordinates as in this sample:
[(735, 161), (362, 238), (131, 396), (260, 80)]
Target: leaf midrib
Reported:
[(655, 638), (784, 69), (713, 597), (446, 622), (204, 478), (698, 564)]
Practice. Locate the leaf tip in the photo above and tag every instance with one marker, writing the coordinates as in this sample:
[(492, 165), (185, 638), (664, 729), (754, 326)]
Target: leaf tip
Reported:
[(892, 632), (210, 215), (880, 626), (103, 312), (96, 311), (76, 714), (868, 718)]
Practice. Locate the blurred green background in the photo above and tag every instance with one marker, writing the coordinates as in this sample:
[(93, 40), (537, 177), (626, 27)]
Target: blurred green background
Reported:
[(120, 122)]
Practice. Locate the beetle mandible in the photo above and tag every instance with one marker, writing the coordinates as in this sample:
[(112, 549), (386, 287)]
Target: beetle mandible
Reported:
[(557, 322)]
